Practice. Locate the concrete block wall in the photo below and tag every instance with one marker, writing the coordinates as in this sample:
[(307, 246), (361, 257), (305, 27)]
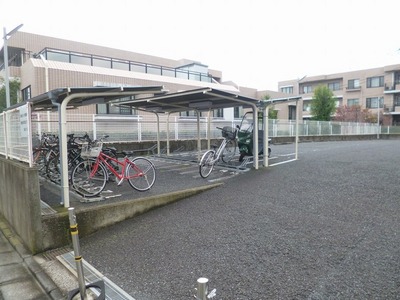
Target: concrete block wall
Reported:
[(20, 201)]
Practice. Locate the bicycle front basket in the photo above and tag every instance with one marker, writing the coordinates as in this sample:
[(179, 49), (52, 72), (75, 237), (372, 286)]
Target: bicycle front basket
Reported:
[(228, 132), (91, 150)]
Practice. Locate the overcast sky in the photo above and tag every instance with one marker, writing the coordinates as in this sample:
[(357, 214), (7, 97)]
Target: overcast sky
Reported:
[(255, 43)]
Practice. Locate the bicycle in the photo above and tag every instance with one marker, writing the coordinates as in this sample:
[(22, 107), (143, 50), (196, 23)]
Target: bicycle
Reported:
[(43, 152), (53, 168), (89, 177), (226, 151)]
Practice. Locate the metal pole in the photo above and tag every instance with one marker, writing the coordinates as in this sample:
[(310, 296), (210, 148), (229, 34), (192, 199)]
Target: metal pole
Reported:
[(168, 150), (208, 132), (378, 125), (298, 117), (198, 136), (255, 138), (158, 135), (265, 136), (297, 129), (7, 82), (202, 288), (78, 258), (5, 46)]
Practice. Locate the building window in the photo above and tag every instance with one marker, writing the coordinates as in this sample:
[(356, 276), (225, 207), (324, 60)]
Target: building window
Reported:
[(292, 112), (57, 56), (373, 102), (26, 93), (101, 62), (307, 89), (113, 110), (156, 70), (373, 82), (120, 65), (81, 59), (396, 77), (353, 84), (140, 68), (236, 112), (307, 106), (189, 113), (353, 102), (396, 100), (334, 86), (194, 72), (218, 113), (116, 110), (287, 89)]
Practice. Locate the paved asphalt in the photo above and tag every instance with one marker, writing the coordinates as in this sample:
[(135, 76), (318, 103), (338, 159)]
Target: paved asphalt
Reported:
[(323, 227)]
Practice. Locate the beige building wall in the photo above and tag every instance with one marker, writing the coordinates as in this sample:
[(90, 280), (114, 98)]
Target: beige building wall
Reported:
[(41, 75), (388, 91)]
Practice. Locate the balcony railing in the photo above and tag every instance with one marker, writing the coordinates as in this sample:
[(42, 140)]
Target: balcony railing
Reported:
[(353, 88), (113, 63), (392, 87), (391, 108)]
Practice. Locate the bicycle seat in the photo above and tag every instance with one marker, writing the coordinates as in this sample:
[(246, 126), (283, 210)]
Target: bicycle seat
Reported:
[(127, 153)]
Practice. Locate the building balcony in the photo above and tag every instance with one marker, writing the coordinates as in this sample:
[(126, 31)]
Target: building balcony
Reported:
[(392, 89), (353, 88), (392, 109)]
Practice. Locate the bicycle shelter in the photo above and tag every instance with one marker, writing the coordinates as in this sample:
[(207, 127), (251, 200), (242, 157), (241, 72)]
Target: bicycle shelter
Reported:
[(150, 99)]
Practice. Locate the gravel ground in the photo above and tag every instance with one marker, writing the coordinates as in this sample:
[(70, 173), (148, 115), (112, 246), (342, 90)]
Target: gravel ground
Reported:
[(323, 227)]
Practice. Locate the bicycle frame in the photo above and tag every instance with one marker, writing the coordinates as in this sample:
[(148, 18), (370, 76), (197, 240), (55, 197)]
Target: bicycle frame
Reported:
[(219, 150), (105, 160)]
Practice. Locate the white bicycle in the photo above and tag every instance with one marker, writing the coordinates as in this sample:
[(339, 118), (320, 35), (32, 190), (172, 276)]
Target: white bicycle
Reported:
[(226, 151)]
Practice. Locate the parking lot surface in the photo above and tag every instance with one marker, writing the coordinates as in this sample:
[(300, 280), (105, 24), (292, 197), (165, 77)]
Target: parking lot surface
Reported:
[(322, 227), (176, 172)]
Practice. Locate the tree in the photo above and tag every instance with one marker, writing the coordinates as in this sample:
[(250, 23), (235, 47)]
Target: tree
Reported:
[(14, 90), (323, 104), (272, 113), (354, 113)]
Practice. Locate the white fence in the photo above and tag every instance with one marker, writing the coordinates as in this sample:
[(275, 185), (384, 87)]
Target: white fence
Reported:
[(17, 137)]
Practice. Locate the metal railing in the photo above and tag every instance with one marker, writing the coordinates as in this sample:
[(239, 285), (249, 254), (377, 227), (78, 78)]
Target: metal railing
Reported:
[(20, 129)]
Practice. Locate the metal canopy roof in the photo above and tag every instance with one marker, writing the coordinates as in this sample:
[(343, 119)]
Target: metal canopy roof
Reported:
[(152, 98), (89, 95), (197, 99)]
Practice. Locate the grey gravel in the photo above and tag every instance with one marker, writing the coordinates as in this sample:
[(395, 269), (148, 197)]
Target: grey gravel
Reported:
[(323, 227)]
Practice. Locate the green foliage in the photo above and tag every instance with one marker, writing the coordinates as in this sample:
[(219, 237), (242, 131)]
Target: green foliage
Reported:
[(14, 90), (323, 104), (272, 113)]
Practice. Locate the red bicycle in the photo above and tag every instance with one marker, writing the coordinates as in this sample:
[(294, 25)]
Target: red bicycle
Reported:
[(90, 176)]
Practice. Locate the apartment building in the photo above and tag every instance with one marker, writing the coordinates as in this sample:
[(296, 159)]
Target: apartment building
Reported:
[(376, 89), (45, 63)]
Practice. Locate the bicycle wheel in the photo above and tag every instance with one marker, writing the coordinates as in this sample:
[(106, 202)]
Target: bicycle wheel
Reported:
[(207, 163), (141, 174), (39, 159), (229, 151), (53, 169), (89, 178)]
